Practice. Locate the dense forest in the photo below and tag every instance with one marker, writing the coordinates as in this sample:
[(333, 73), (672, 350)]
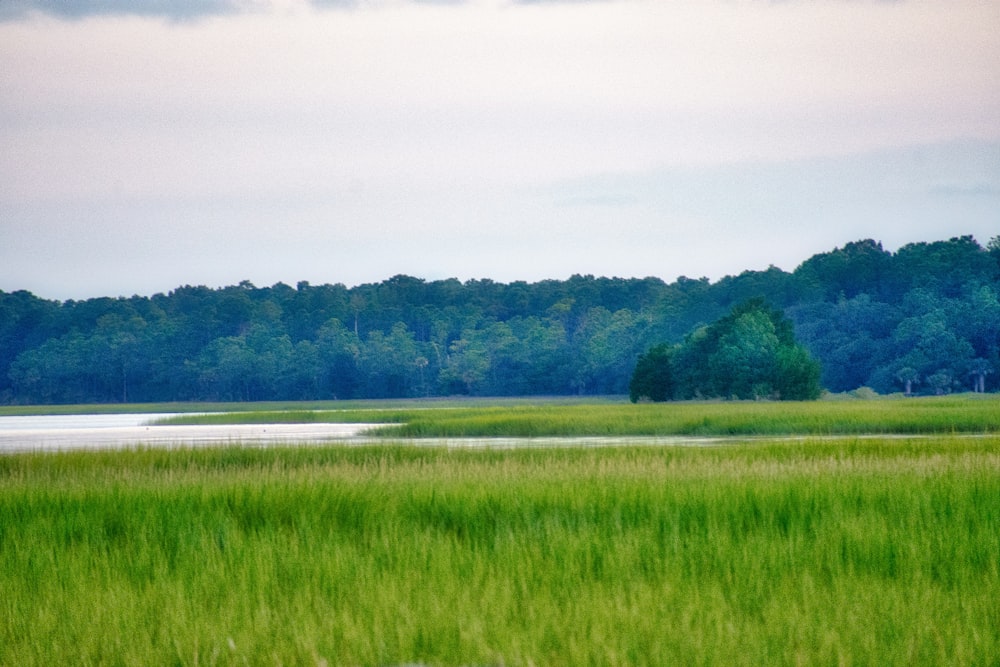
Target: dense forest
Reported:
[(925, 319)]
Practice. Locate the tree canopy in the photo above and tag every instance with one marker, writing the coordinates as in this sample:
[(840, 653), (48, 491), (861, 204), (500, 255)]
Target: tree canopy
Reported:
[(925, 319), (748, 354)]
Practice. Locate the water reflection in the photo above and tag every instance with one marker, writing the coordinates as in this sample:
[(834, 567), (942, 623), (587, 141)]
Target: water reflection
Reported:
[(110, 431), (117, 431)]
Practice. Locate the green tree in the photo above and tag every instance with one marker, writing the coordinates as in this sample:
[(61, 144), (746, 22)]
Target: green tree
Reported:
[(607, 345), (388, 363), (652, 378), (743, 363), (941, 382), (467, 366), (227, 369), (339, 351), (861, 267), (797, 374), (121, 346), (749, 353), (979, 368), (925, 343), (909, 376)]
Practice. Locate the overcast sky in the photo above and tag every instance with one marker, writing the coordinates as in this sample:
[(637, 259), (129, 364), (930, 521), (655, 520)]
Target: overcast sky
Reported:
[(148, 144)]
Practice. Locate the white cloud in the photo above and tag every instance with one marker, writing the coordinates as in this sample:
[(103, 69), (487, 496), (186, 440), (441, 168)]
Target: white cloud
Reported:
[(423, 124)]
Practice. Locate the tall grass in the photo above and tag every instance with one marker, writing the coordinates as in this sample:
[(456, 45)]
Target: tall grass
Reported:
[(954, 414), (849, 551), (282, 406)]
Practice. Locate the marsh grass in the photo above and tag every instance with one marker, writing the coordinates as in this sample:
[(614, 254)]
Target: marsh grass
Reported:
[(954, 414), (284, 406), (850, 551)]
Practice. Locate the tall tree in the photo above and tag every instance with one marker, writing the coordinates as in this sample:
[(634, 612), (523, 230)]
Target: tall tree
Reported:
[(652, 379), (749, 353)]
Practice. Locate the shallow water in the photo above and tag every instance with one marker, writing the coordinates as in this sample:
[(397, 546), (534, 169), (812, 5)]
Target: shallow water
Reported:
[(119, 431), (122, 431), (116, 431)]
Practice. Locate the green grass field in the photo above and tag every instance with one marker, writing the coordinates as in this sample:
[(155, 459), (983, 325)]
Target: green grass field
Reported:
[(967, 413), (846, 551)]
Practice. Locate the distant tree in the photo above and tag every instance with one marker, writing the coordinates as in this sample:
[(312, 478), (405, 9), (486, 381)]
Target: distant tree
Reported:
[(979, 368), (976, 318), (305, 378), (228, 369), (339, 352), (743, 362), (26, 322), (652, 378), (468, 365), (923, 344), (388, 363), (121, 344), (941, 382), (993, 247), (909, 377), (797, 374), (606, 347), (749, 353), (861, 267)]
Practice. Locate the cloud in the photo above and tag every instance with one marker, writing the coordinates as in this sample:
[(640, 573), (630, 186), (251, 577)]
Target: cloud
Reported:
[(356, 139), (350, 4), (973, 190), (177, 10), (557, 2), (335, 4), (187, 10)]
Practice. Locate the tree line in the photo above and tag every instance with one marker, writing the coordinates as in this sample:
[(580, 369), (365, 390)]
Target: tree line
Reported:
[(925, 318)]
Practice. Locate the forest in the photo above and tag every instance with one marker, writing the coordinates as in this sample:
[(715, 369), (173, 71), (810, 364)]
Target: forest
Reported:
[(923, 319)]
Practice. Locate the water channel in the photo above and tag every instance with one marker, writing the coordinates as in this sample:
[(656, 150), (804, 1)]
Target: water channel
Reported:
[(111, 431), (122, 431)]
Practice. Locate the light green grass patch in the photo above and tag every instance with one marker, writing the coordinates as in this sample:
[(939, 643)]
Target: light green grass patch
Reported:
[(848, 551)]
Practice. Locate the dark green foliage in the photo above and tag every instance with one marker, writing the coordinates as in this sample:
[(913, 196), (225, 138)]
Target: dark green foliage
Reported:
[(652, 378), (796, 374), (749, 353), (862, 312), (857, 268)]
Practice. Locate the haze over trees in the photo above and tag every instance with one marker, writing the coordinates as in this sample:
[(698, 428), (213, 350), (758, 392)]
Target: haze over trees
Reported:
[(925, 319)]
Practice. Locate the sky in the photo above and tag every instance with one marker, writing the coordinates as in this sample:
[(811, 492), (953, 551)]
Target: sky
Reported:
[(149, 144)]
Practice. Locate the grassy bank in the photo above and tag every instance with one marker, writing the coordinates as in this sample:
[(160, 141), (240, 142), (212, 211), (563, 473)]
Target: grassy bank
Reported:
[(300, 406), (842, 552), (952, 414)]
